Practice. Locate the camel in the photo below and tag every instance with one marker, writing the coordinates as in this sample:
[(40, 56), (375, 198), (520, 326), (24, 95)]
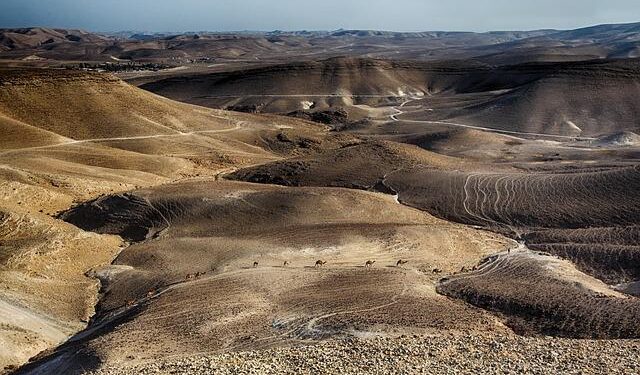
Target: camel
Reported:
[(190, 276), (255, 264), (436, 270), (401, 262), (286, 263), (151, 293), (131, 302), (320, 263), (369, 263)]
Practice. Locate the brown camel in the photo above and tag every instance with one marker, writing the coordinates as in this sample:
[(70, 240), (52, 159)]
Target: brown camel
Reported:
[(401, 262), (255, 264), (320, 263), (369, 263)]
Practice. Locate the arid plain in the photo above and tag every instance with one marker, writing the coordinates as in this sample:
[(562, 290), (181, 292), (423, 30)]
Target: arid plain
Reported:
[(320, 202)]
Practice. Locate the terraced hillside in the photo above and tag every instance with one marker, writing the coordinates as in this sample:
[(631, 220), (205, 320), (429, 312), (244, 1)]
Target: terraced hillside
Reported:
[(564, 199)]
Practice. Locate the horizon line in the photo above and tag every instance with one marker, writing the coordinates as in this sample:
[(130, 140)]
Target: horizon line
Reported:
[(177, 32)]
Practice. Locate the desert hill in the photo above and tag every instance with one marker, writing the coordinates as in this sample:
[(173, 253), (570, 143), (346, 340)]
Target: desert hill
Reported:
[(30, 45), (69, 136), (100, 115), (38, 45), (524, 98), (361, 166), (456, 185), (599, 102), (551, 211), (217, 230), (12, 39)]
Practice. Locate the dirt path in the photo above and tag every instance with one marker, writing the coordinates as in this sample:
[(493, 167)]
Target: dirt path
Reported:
[(237, 126), (399, 111)]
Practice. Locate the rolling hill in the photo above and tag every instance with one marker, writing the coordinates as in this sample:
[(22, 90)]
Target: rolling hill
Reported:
[(497, 47), (522, 98), (69, 136), (470, 190)]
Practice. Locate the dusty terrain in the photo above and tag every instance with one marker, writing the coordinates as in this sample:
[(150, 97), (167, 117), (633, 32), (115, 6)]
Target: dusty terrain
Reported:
[(451, 353), (55, 156), (414, 214)]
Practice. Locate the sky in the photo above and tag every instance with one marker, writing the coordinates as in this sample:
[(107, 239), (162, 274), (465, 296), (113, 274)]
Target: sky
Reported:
[(267, 15)]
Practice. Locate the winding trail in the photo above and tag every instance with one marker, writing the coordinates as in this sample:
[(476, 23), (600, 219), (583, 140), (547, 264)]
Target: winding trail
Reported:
[(237, 126), (310, 327), (305, 96), (500, 131), (399, 111)]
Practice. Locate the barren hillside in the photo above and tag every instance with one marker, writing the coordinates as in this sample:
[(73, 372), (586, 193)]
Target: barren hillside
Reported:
[(409, 201), (72, 136), (522, 98)]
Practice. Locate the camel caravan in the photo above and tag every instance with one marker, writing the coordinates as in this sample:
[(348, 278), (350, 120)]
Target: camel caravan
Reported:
[(320, 263), (194, 276), (368, 264)]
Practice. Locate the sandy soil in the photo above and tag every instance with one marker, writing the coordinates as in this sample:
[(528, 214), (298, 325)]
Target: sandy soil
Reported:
[(143, 229)]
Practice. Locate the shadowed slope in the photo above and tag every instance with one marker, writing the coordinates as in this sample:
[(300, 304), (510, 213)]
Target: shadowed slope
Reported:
[(600, 101), (362, 166), (558, 299), (611, 254)]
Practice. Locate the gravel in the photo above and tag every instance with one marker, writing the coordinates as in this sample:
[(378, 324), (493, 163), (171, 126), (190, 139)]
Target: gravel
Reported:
[(440, 354)]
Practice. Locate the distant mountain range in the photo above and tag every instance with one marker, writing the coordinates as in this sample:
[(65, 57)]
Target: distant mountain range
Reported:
[(496, 47)]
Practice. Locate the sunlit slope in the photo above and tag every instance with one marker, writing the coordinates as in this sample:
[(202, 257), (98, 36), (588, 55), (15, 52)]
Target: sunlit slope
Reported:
[(80, 106), (70, 136), (189, 284)]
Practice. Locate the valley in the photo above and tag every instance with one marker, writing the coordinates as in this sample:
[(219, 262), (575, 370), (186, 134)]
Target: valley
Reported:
[(324, 202)]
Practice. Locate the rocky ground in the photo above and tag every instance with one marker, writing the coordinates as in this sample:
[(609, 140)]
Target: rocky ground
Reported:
[(441, 354)]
